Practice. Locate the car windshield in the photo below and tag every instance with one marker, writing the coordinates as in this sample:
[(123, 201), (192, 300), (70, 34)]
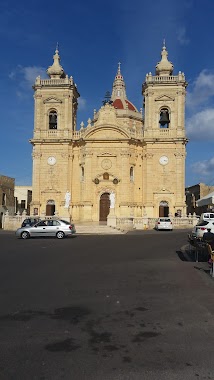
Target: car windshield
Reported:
[(203, 223), (165, 220)]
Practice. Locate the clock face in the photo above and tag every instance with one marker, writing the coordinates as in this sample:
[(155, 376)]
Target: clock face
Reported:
[(163, 160), (51, 160)]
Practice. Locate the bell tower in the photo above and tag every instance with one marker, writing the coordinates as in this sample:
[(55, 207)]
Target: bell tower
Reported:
[(165, 141), (55, 114)]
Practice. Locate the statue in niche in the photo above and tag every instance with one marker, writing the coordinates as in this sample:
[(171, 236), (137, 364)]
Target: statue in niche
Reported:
[(67, 199), (112, 199)]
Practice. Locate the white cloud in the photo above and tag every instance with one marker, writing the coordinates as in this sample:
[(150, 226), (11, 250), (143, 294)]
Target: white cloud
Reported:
[(181, 36), (204, 168), (12, 75), (199, 101), (31, 72), (201, 90), (24, 77), (81, 104), (200, 126)]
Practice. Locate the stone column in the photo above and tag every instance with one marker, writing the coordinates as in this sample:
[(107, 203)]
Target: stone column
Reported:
[(125, 184), (148, 183)]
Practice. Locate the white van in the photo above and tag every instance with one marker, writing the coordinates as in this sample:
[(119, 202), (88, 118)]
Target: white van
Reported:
[(209, 216)]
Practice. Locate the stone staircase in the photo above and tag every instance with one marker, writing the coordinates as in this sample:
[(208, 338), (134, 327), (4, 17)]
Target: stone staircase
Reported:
[(97, 229)]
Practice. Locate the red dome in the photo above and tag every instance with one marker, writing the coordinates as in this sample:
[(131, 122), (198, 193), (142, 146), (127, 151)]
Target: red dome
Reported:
[(119, 104)]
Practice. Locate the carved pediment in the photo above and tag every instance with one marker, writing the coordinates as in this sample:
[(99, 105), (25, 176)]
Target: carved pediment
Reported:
[(164, 98), (106, 154), (52, 100), (107, 133), (107, 115)]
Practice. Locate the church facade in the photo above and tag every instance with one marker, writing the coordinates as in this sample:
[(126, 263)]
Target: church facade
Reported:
[(126, 161)]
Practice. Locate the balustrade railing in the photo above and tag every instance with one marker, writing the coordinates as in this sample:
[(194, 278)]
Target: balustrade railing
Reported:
[(54, 82)]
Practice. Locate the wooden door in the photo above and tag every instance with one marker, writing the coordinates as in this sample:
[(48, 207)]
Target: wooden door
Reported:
[(163, 211), (104, 207), (50, 209)]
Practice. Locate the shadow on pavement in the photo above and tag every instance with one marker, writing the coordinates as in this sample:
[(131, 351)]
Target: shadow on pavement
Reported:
[(198, 256), (181, 256)]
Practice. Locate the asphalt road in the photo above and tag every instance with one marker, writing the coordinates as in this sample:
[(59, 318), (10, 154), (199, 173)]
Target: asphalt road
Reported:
[(118, 307)]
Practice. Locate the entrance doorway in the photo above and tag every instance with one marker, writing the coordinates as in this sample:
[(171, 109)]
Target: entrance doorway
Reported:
[(50, 208), (104, 207), (163, 209)]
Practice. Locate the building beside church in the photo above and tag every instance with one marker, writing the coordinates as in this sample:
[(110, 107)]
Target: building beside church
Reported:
[(193, 194), (7, 200), (23, 197), (126, 161)]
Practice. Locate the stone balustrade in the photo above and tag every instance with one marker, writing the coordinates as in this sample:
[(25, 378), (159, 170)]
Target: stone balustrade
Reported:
[(124, 223), (168, 78), (163, 132), (53, 134), (54, 82)]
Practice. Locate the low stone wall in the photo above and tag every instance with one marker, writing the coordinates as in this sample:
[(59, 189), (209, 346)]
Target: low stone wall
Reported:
[(12, 223), (141, 223), (145, 223)]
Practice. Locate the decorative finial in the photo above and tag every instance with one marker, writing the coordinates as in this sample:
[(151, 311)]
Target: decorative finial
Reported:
[(164, 43), (107, 98), (119, 63), (56, 70)]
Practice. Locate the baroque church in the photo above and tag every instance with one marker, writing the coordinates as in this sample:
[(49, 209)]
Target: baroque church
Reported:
[(125, 162)]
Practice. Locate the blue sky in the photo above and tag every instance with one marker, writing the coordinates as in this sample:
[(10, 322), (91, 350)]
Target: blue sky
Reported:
[(93, 37)]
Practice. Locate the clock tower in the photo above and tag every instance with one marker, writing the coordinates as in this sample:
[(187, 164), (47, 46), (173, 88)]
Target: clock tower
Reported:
[(163, 177), (54, 126)]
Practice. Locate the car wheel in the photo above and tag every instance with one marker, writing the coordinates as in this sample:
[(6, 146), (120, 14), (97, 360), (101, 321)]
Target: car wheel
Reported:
[(25, 235), (60, 235)]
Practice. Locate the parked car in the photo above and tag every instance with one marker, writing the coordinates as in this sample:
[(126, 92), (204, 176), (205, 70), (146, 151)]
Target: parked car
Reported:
[(30, 222), (200, 228), (52, 227), (208, 216), (164, 223)]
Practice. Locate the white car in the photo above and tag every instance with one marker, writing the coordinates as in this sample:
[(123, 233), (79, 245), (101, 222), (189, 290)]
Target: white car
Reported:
[(164, 223), (208, 216), (200, 228)]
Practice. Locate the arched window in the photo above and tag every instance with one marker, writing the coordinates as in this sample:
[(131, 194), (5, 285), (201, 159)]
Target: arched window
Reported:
[(53, 119), (82, 173), (106, 176), (131, 174), (164, 118)]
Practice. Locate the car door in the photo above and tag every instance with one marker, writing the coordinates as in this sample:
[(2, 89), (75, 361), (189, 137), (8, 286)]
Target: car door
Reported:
[(52, 227), (39, 229)]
